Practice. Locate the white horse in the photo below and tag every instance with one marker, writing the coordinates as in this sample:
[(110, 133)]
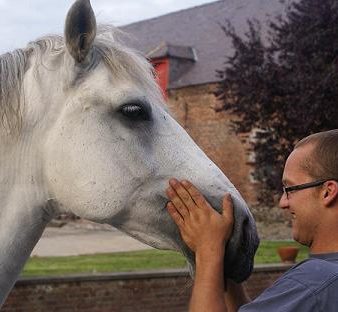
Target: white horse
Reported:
[(84, 129)]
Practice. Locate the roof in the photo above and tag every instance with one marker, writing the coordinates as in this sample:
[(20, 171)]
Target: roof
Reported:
[(166, 49), (198, 31)]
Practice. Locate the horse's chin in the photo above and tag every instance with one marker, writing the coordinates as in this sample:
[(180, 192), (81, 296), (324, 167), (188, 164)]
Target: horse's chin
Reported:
[(152, 238), (237, 267)]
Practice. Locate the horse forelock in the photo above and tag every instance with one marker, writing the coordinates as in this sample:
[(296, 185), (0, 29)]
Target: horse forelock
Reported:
[(123, 62)]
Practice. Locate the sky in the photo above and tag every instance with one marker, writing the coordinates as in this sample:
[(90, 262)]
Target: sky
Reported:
[(25, 20)]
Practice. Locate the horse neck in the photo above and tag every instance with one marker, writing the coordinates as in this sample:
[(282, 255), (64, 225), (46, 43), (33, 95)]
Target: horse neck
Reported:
[(20, 230), (24, 208)]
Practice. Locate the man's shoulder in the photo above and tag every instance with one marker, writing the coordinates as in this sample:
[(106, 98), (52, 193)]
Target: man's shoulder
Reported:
[(310, 285), (313, 273)]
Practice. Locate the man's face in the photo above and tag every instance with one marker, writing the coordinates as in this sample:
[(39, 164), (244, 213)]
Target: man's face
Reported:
[(303, 205)]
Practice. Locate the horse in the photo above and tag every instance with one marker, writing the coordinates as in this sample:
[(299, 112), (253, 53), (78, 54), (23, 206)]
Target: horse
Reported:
[(85, 130)]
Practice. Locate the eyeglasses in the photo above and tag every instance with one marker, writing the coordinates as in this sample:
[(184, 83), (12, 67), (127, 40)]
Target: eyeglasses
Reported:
[(288, 189)]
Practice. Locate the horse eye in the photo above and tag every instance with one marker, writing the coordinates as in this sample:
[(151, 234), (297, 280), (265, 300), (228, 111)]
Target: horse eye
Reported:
[(134, 112)]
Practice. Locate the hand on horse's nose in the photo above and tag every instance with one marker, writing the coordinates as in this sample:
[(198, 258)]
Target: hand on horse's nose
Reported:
[(202, 228)]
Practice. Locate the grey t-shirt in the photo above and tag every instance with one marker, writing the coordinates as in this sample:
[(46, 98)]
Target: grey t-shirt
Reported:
[(311, 285)]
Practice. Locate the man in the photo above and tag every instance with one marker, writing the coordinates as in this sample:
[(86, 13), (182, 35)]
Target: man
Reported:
[(310, 194)]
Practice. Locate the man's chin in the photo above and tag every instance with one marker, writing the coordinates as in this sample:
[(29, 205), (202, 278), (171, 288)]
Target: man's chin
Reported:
[(294, 231), (297, 238)]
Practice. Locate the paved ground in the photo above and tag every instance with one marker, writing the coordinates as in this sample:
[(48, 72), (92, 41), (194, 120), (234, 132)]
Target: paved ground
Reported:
[(82, 237)]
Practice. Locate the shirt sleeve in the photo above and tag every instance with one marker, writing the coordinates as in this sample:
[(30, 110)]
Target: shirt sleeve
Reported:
[(284, 295)]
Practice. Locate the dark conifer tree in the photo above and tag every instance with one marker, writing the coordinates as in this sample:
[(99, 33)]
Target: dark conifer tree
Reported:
[(283, 88)]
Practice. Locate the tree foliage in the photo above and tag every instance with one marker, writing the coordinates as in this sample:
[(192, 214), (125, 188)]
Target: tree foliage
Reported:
[(283, 86)]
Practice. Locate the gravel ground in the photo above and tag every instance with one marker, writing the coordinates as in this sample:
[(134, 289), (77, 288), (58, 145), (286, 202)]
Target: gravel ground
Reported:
[(82, 237), (78, 237), (274, 230), (266, 230)]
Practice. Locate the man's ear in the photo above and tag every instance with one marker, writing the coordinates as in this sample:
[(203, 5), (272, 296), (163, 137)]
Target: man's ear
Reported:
[(330, 193)]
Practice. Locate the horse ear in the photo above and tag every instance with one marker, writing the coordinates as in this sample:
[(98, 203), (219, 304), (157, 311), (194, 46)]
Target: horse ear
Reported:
[(80, 29)]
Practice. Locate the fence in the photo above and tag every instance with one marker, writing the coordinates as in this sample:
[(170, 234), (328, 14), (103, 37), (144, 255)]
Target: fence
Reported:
[(152, 291)]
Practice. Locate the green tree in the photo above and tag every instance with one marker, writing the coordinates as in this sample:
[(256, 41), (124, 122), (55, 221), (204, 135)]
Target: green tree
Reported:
[(284, 86)]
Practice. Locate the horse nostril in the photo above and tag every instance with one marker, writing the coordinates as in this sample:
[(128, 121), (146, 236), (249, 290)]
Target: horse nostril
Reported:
[(250, 239), (246, 241)]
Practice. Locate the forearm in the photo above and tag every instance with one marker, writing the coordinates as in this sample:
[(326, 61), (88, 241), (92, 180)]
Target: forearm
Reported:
[(206, 232), (208, 290), (235, 296)]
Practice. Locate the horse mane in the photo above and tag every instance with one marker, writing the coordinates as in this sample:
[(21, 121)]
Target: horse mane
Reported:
[(12, 69), (123, 61)]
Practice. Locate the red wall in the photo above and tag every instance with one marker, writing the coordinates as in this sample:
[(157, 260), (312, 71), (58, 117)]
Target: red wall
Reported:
[(162, 70)]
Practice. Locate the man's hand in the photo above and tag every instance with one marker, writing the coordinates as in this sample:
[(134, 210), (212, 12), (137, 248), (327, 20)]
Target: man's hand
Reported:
[(201, 227), (206, 232)]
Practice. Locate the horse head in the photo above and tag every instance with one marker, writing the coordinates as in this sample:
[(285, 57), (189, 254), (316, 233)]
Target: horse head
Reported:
[(103, 144)]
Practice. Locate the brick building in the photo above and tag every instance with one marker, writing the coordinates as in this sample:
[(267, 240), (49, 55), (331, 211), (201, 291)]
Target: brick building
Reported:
[(186, 48)]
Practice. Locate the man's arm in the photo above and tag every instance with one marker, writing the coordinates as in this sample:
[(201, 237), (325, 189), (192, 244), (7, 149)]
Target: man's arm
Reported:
[(235, 296), (206, 232)]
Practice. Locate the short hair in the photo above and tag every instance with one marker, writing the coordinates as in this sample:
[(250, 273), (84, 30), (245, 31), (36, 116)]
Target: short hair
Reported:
[(322, 163)]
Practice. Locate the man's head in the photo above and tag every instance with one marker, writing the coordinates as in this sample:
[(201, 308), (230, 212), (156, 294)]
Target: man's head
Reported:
[(311, 188), (322, 162)]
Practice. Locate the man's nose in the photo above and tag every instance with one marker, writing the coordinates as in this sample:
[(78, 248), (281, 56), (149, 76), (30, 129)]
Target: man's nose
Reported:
[(284, 202)]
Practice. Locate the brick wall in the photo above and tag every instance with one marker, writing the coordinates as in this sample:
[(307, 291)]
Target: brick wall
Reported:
[(160, 291), (193, 107)]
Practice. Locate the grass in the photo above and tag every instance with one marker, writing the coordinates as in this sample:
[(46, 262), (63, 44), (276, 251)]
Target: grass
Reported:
[(136, 261), (267, 251), (113, 262)]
